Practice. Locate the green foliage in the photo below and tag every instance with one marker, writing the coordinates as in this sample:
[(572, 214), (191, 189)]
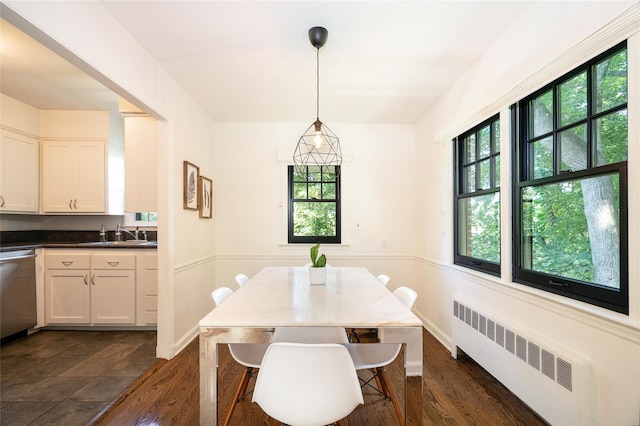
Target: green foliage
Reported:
[(557, 228), (317, 262), (480, 227), (314, 219), (556, 225)]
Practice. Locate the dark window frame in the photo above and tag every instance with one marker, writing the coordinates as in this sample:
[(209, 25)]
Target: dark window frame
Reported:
[(460, 191), (295, 239), (606, 297)]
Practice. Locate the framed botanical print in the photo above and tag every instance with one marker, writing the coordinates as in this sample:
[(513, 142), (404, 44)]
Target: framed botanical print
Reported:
[(190, 182), (205, 197)]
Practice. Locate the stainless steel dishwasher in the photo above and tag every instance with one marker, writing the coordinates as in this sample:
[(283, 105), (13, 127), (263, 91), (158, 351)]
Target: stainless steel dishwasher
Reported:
[(17, 291)]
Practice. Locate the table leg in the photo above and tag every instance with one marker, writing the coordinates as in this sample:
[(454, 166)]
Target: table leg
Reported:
[(411, 340), (208, 380), (414, 400), (413, 374)]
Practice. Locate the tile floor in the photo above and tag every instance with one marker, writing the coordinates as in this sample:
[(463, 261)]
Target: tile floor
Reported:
[(67, 377)]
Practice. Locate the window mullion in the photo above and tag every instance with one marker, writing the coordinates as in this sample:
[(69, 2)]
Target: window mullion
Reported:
[(555, 119), (590, 111), (492, 158)]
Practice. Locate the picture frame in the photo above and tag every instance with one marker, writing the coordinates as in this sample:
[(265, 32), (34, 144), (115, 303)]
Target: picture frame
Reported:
[(205, 197), (191, 175)]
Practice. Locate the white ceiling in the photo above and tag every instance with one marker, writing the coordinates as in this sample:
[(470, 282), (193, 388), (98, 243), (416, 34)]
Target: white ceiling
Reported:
[(384, 61), (33, 74)]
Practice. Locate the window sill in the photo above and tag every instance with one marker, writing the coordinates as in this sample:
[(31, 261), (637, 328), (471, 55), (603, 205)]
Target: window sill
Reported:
[(309, 245)]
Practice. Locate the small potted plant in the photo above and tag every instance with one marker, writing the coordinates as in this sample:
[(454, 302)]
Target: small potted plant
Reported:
[(317, 270)]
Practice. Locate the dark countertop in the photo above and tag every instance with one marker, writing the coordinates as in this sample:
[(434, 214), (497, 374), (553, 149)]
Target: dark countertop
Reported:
[(25, 240), (29, 245)]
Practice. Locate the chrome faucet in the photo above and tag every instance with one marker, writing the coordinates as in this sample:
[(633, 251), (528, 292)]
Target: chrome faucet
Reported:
[(134, 236)]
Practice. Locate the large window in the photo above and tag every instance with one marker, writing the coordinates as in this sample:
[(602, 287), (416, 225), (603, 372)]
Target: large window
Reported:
[(570, 197), (314, 204), (477, 203)]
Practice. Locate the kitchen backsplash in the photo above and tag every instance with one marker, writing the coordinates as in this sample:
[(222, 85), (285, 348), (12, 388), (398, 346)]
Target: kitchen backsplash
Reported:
[(23, 222)]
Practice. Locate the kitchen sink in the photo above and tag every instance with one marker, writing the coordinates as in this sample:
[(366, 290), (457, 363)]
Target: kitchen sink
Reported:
[(121, 243)]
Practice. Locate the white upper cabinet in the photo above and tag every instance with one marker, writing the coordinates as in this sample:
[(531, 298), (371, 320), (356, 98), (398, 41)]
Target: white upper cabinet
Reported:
[(73, 176), (18, 172), (140, 159), (74, 161), (19, 151)]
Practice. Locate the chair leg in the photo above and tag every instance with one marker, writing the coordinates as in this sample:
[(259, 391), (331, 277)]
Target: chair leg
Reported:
[(339, 423), (381, 387), (248, 374), (394, 401), (242, 386)]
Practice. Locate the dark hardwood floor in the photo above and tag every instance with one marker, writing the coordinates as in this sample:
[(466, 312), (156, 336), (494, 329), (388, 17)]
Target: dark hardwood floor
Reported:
[(456, 392)]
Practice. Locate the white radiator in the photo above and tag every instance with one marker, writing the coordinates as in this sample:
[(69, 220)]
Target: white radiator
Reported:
[(553, 381)]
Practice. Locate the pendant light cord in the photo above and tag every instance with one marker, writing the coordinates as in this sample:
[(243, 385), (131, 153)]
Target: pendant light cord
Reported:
[(318, 84)]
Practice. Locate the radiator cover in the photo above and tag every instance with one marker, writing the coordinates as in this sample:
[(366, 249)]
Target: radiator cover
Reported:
[(552, 380)]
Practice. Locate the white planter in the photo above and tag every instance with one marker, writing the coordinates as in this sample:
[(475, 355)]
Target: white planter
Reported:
[(317, 275)]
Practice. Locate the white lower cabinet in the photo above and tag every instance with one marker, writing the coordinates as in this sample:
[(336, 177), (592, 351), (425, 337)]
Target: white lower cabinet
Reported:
[(147, 287), (113, 288), (90, 288), (67, 289)]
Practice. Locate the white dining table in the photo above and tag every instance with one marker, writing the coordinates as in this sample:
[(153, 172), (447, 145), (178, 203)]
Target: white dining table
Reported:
[(282, 297)]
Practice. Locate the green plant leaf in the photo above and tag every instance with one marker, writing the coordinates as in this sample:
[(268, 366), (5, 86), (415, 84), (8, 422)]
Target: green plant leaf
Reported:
[(315, 261), (314, 253)]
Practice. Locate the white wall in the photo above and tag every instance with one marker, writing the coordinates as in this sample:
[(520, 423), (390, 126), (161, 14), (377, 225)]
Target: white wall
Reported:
[(250, 199), (521, 62), (88, 36)]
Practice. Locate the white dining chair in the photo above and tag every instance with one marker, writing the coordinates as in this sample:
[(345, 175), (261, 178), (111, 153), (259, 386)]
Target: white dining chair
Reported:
[(249, 355), (241, 279), (307, 384), (384, 279), (220, 294), (406, 295), (374, 357)]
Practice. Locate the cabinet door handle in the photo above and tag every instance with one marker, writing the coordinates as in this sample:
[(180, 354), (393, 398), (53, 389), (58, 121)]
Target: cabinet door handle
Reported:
[(2, 198), (67, 262), (75, 202), (70, 203), (85, 280), (93, 279), (113, 263)]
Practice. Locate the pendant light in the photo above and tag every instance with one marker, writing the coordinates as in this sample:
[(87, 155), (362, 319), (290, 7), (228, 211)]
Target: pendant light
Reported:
[(318, 146)]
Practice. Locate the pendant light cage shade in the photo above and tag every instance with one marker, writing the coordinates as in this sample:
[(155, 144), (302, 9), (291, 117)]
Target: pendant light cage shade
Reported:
[(318, 146)]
